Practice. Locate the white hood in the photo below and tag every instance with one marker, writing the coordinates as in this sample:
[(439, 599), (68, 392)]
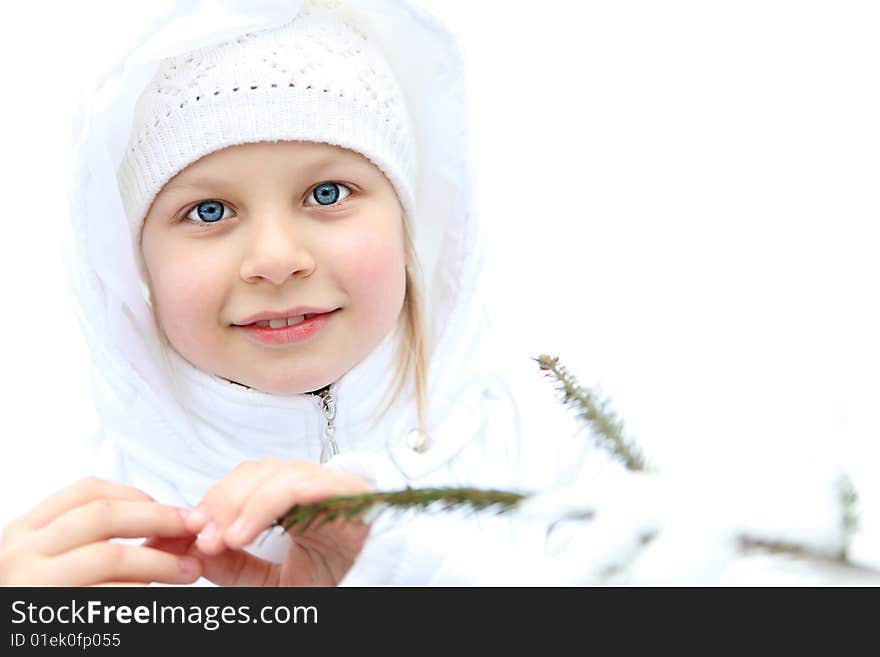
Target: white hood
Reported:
[(176, 450)]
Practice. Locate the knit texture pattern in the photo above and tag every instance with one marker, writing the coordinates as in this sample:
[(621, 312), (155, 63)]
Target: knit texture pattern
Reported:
[(318, 78)]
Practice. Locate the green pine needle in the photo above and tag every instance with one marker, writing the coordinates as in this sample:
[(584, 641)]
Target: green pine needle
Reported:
[(303, 516), (595, 413)]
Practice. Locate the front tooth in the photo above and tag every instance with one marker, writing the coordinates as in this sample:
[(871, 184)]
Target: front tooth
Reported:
[(295, 320), (277, 323), (263, 322)]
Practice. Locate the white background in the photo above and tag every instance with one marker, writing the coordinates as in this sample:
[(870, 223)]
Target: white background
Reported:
[(682, 199)]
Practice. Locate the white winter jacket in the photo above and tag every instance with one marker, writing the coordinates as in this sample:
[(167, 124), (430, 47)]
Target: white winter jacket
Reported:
[(173, 431)]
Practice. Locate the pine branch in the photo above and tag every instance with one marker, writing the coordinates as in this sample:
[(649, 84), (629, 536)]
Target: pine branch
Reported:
[(867, 574), (348, 507), (609, 431), (849, 513), (595, 413)]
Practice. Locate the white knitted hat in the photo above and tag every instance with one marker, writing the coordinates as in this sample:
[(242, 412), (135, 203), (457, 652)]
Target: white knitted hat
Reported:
[(317, 78)]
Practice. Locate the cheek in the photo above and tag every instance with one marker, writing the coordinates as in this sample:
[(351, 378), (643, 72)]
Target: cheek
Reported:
[(185, 290), (374, 268)]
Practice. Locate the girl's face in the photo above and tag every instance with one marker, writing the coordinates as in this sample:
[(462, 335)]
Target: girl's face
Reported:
[(275, 228)]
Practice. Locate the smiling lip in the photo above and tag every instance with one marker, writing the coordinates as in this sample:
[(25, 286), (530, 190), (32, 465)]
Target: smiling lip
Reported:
[(293, 312), (266, 335)]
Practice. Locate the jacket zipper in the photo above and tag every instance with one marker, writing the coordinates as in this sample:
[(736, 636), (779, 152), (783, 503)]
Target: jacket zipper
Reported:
[(327, 404)]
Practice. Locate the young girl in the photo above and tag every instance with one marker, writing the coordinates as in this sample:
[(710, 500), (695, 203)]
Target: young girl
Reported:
[(276, 269)]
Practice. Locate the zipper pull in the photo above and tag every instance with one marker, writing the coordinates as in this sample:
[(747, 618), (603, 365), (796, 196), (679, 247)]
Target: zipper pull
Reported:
[(328, 406)]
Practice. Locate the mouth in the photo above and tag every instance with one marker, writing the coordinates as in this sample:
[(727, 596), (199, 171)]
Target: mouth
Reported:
[(280, 331), (281, 319), (283, 322)]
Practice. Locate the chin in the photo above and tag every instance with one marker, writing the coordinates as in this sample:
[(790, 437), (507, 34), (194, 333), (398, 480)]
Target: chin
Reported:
[(287, 387)]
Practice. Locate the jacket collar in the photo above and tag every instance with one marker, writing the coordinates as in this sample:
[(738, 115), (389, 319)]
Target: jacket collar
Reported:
[(247, 424)]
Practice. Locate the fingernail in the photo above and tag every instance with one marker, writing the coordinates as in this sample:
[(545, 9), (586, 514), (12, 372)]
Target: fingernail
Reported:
[(188, 565), (208, 535), (198, 516)]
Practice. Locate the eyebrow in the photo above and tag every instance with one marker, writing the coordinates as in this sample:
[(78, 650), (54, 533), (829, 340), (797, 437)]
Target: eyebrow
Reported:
[(195, 183), (316, 165)]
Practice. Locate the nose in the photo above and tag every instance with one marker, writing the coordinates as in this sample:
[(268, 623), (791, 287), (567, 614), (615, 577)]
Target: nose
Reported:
[(276, 251)]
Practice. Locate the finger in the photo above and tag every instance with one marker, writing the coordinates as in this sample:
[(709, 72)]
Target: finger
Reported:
[(237, 568), (72, 496), (222, 501), (105, 562), (126, 584), (225, 504), (330, 483), (103, 519), (277, 495)]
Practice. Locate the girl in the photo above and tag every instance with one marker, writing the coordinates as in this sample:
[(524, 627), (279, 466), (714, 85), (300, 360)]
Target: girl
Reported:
[(276, 270)]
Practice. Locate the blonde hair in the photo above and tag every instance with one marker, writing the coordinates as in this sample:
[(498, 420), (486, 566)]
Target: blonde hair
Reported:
[(412, 355)]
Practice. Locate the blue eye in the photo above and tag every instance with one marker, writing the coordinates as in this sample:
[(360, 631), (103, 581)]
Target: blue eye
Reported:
[(328, 193), (209, 212)]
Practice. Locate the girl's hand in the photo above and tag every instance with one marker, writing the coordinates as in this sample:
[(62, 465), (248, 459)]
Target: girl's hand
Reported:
[(236, 510), (64, 541)]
